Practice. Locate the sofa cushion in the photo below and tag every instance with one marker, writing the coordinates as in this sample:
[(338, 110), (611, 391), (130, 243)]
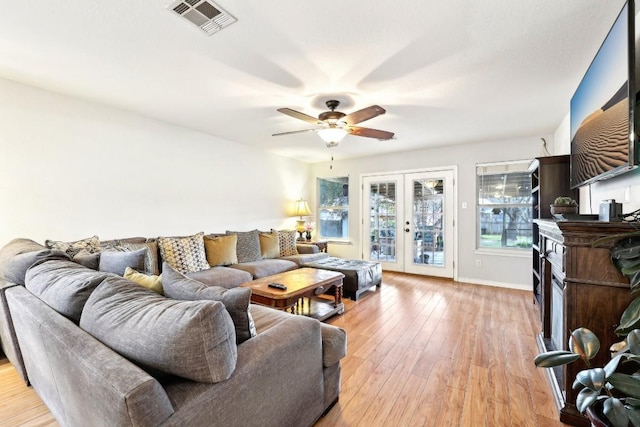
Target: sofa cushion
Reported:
[(152, 282), (90, 244), (190, 339), (221, 250), (185, 254), (302, 259), (116, 262), (178, 286), (287, 241), (16, 268), (13, 248), (269, 245), (221, 276), (334, 339), (64, 285), (248, 246), (266, 267)]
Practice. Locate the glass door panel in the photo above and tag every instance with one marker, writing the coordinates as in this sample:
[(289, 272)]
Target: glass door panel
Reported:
[(429, 224), (382, 200)]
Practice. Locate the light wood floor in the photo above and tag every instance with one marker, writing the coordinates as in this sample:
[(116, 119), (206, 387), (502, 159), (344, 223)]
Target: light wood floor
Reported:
[(421, 352)]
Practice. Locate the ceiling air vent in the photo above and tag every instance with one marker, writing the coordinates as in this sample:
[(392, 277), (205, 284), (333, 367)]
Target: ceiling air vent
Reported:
[(206, 15)]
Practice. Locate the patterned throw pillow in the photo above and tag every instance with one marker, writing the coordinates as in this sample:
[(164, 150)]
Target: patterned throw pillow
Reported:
[(287, 240), (248, 246), (221, 250), (269, 245), (185, 254), (90, 244)]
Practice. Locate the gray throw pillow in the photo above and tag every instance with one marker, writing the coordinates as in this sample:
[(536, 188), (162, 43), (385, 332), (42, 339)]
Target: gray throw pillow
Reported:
[(150, 257), (248, 245), (64, 285), (116, 262), (236, 300), (88, 259), (190, 339)]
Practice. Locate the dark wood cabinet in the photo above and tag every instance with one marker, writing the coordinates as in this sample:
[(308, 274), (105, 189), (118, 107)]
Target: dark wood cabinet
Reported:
[(549, 179), (580, 287)]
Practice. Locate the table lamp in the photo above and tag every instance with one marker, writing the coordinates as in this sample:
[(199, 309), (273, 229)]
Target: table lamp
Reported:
[(301, 209)]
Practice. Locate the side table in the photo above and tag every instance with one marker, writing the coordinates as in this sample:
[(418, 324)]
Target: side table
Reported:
[(321, 244)]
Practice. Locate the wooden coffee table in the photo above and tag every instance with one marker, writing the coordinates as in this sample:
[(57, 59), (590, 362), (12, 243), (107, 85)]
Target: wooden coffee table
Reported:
[(301, 296)]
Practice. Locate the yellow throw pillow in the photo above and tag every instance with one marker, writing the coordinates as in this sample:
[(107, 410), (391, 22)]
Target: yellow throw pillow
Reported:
[(221, 250), (148, 281), (269, 245)]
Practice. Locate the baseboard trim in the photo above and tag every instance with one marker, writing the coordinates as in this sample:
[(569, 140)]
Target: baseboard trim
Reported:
[(518, 286)]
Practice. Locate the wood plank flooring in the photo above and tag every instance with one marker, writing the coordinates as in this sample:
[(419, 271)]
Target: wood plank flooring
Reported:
[(422, 351)]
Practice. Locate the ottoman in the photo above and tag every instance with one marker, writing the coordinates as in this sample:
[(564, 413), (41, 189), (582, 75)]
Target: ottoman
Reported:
[(359, 275)]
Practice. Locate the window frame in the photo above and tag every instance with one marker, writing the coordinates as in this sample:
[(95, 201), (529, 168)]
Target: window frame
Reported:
[(505, 167), (343, 207)]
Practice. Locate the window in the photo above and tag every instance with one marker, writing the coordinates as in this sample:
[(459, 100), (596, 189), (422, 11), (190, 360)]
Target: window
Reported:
[(504, 205), (333, 209)]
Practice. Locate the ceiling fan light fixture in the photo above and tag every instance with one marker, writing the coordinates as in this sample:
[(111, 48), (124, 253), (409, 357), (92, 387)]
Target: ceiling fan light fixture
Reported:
[(332, 135)]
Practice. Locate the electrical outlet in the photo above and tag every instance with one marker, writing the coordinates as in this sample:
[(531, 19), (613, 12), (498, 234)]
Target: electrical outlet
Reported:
[(464, 205), (478, 263)]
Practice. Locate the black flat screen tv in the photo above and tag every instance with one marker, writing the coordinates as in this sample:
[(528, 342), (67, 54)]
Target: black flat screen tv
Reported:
[(603, 108)]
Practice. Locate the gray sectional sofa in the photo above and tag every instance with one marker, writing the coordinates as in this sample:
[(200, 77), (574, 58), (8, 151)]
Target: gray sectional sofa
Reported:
[(101, 350)]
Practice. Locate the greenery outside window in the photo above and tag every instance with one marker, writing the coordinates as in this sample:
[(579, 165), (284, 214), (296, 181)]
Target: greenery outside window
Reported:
[(333, 208), (504, 205)]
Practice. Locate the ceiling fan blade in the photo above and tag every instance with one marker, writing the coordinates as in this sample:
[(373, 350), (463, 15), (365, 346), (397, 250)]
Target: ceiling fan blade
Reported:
[(293, 131), (298, 115), (364, 114), (370, 133)]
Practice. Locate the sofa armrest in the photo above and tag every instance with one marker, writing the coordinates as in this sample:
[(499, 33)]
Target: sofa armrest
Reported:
[(79, 378), (306, 248), (8, 338), (334, 344), (278, 381)]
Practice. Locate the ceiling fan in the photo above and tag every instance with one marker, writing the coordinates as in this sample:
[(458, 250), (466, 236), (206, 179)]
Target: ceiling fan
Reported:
[(334, 125)]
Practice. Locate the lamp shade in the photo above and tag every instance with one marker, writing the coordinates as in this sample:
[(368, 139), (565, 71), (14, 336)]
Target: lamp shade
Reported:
[(301, 208), (332, 134)]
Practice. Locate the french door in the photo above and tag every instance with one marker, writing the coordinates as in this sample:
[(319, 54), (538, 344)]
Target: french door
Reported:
[(408, 222)]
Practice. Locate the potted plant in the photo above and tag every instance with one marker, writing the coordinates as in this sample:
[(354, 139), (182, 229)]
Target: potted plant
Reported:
[(609, 395), (564, 205), (612, 390)]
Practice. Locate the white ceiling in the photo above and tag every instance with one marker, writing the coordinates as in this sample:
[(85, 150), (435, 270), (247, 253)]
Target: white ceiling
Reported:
[(446, 71)]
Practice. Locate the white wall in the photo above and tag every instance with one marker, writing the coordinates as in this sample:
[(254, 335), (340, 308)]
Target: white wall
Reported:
[(71, 169), (614, 188), (496, 269)]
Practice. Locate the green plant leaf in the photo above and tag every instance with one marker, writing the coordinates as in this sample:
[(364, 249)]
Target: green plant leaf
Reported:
[(634, 414), (631, 270), (635, 281), (627, 248), (630, 401), (633, 341), (585, 398), (627, 384), (621, 263), (555, 358), (614, 410), (584, 343), (610, 368), (591, 378), (614, 238), (630, 318)]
